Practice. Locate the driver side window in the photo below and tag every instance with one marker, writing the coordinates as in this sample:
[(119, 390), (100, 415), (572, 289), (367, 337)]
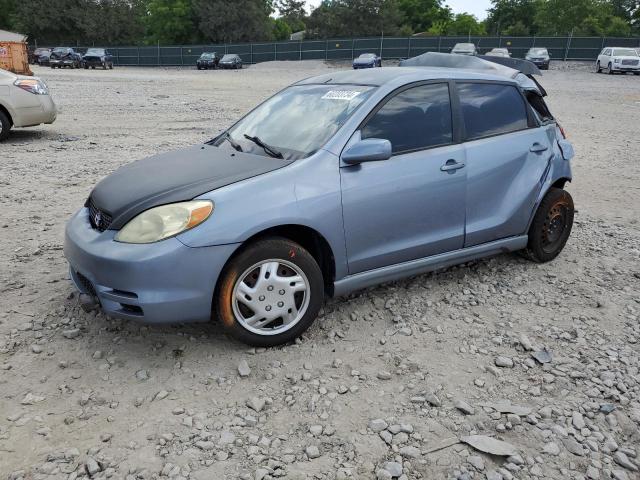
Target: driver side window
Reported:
[(414, 119)]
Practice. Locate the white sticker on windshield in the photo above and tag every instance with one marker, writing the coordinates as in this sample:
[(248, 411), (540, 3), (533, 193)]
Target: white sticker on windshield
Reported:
[(340, 95)]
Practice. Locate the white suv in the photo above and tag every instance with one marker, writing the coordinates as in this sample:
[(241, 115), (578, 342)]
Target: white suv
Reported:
[(618, 59)]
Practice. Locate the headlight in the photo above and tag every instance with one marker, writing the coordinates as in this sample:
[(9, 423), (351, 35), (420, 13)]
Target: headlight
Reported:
[(166, 221), (31, 85), (616, 60)]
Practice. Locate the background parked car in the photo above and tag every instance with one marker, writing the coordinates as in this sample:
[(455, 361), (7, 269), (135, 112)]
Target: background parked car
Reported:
[(65, 57), (208, 60), (231, 60), (42, 56), (97, 57), (367, 60), (464, 49), (540, 56), (24, 102), (498, 52), (34, 55), (618, 59)]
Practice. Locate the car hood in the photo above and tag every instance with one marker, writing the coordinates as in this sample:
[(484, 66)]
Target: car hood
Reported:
[(175, 177)]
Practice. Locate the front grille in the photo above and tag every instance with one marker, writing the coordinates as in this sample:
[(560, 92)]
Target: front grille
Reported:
[(99, 219), (629, 62)]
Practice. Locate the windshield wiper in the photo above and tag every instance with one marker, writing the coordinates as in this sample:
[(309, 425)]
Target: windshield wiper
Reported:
[(270, 150), (227, 136)]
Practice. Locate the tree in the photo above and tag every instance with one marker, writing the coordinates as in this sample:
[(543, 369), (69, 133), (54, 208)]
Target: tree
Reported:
[(465, 24), (169, 21), (237, 21), (334, 18), (281, 29), (421, 15), (7, 12), (507, 16)]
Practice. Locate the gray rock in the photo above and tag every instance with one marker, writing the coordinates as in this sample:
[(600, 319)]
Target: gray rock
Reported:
[(243, 368), (91, 466), (573, 446), (142, 375), (464, 407), (551, 448), (490, 445), (377, 425), (578, 420), (72, 333), (476, 461), (504, 362), (382, 474), (394, 468), (383, 375), (410, 452), (35, 348), (433, 400), (621, 459), (542, 356), (256, 403), (205, 445), (312, 451)]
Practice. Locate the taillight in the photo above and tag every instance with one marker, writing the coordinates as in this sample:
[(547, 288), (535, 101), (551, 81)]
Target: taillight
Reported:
[(564, 135)]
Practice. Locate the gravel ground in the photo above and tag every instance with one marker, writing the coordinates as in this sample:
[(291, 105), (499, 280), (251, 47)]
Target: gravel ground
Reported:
[(408, 380)]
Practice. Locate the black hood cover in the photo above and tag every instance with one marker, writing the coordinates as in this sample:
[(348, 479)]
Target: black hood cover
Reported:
[(175, 177)]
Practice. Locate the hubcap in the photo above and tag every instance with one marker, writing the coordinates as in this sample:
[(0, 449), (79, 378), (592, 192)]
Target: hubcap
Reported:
[(271, 297), (554, 227)]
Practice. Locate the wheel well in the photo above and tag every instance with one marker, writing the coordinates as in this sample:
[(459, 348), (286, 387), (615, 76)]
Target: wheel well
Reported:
[(310, 240), (561, 182), (6, 112)]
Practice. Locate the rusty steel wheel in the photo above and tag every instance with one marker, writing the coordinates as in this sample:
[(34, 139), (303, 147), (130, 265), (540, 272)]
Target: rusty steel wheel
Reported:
[(551, 226)]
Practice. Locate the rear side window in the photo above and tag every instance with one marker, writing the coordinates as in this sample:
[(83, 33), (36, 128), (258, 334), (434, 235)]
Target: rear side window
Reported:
[(491, 109), (414, 119)]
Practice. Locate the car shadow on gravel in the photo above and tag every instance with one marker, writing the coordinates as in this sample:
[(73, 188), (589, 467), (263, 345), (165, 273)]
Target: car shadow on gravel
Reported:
[(25, 137)]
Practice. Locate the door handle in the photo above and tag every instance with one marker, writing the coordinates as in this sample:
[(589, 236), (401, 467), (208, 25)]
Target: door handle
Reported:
[(451, 166), (538, 148)]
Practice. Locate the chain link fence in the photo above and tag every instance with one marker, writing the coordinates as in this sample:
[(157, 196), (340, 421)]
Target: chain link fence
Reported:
[(560, 48)]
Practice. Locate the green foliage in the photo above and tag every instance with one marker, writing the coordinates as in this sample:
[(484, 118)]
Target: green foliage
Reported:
[(518, 29), (334, 18), (508, 17), (169, 22), (7, 12), (222, 21), (281, 29), (421, 15)]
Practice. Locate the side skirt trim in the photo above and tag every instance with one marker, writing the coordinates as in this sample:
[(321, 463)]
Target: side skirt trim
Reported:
[(398, 271)]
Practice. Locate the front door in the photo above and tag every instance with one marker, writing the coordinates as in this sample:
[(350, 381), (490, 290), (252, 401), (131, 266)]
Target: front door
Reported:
[(412, 205)]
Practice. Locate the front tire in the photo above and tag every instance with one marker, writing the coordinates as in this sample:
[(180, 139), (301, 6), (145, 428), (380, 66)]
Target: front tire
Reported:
[(610, 69), (270, 293), (598, 69), (5, 126), (551, 226)]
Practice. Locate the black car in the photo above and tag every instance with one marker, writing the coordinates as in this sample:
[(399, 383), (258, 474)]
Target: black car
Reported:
[(540, 56), (97, 57), (208, 60), (41, 56), (65, 57), (367, 60), (231, 60)]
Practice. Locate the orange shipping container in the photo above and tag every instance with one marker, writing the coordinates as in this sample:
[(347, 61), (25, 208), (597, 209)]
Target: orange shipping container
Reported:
[(13, 53)]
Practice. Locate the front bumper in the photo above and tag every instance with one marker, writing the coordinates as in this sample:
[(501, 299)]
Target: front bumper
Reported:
[(163, 282), (618, 67), (39, 109), (357, 66), (93, 62)]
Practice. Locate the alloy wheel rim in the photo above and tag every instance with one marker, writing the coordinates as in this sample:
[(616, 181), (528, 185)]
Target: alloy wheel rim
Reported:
[(271, 297)]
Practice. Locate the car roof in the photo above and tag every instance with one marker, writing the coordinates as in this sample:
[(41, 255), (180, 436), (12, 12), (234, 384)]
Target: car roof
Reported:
[(381, 76)]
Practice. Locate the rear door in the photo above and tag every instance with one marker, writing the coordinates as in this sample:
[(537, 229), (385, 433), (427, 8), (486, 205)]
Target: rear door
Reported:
[(507, 155), (413, 204)]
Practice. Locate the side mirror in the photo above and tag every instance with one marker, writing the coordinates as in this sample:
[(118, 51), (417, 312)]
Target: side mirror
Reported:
[(369, 150)]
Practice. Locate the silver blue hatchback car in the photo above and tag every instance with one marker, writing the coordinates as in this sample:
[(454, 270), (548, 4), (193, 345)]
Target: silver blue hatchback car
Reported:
[(336, 183)]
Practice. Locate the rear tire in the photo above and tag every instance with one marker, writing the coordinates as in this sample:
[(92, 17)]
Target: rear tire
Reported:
[(5, 126), (259, 270), (551, 226)]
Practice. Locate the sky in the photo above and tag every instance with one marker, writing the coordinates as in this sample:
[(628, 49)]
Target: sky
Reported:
[(477, 7)]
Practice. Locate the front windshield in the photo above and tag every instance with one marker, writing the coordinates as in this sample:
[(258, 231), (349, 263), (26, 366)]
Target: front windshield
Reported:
[(60, 50), (299, 120), (538, 51), (464, 47), (206, 55), (624, 52), (367, 55), (228, 57), (95, 51)]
